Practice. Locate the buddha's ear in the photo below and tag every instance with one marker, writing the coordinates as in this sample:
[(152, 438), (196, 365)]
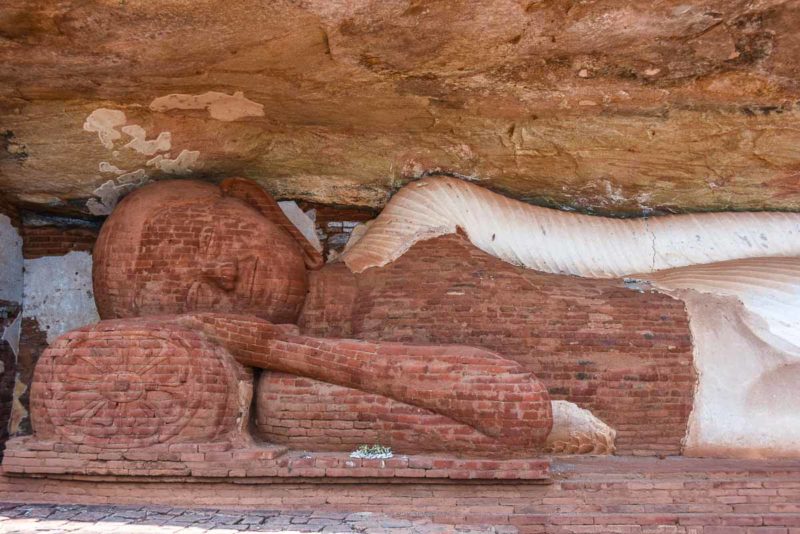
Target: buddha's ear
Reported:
[(252, 193)]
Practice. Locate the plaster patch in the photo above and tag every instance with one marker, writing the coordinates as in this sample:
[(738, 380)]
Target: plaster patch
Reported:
[(302, 222), (105, 122), (767, 288), (11, 334), (18, 411), (220, 106), (111, 191), (10, 261), (181, 165), (738, 406), (58, 293), (110, 168), (140, 144)]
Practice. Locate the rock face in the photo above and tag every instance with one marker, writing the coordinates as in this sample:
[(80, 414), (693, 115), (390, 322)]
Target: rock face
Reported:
[(605, 106)]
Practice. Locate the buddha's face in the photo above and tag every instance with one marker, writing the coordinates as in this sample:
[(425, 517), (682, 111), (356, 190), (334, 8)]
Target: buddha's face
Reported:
[(216, 254)]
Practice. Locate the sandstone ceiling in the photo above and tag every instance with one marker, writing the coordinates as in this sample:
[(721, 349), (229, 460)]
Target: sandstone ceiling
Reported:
[(607, 106)]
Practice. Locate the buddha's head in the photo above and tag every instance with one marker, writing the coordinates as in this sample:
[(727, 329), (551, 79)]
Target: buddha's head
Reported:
[(184, 246)]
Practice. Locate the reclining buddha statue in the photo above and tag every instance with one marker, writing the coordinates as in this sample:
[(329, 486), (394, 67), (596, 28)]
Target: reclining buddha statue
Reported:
[(198, 284), (458, 321)]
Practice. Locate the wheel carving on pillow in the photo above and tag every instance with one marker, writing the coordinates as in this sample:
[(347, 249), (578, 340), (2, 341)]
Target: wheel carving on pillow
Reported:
[(130, 389)]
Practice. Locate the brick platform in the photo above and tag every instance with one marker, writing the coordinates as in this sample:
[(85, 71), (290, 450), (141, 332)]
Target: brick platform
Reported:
[(617, 494), (263, 464)]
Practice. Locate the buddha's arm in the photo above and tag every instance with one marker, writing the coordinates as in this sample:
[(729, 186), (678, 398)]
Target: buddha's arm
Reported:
[(472, 386)]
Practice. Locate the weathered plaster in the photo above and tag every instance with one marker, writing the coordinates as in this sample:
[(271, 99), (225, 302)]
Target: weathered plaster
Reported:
[(220, 106), (302, 222), (58, 293), (110, 168), (745, 322), (11, 278), (10, 261), (105, 122), (11, 334), (181, 165), (739, 274), (140, 144), (746, 403), (111, 191), (18, 410)]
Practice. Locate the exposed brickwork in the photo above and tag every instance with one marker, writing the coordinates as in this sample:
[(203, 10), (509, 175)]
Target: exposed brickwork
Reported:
[(251, 193), (41, 241), (595, 495), (171, 249), (319, 416), (130, 384), (265, 464), (476, 388), (336, 223), (10, 211), (624, 355)]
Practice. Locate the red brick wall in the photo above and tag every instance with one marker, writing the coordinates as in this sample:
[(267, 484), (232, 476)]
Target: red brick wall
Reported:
[(41, 241), (7, 209), (336, 223), (624, 355)]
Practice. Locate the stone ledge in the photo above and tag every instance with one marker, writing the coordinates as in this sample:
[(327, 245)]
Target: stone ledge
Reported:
[(26, 456)]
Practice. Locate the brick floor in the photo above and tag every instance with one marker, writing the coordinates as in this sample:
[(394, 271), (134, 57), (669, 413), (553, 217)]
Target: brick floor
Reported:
[(53, 518)]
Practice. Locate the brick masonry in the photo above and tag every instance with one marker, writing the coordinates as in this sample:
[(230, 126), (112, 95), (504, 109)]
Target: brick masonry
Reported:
[(41, 241), (124, 385), (309, 414), (38, 242), (591, 495), (476, 388), (336, 223), (254, 464), (623, 354)]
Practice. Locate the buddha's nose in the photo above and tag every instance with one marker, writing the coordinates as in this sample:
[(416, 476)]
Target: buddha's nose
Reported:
[(222, 273)]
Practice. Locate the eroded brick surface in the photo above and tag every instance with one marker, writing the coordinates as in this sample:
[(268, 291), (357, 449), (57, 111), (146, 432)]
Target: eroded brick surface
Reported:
[(133, 383), (255, 464), (624, 355), (474, 387), (195, 250), (125, 385)]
